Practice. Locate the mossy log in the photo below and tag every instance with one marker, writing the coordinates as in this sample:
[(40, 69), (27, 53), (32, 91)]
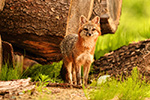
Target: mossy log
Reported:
[(123, 60)]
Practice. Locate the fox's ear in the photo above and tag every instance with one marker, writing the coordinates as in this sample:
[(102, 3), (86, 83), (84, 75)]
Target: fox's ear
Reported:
[(83, 20), (96, 20)]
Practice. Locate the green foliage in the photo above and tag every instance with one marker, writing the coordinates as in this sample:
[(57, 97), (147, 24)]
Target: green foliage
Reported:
[(52, 71), (36, 72), (133, 88), (43, 82), (134, 26), (9, 73)]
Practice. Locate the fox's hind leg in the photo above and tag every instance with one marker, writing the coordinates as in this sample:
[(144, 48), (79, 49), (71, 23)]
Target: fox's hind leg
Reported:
[(74, 79), (68, 74)]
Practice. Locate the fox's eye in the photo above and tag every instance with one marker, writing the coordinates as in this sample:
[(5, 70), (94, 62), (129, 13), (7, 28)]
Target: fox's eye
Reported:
[(85, 29), (93, 29)]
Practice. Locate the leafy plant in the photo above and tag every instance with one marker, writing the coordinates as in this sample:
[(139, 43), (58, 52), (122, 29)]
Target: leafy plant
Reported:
[(52, 71), (35, 72), (9, 73), (133, 88), (43, 82)]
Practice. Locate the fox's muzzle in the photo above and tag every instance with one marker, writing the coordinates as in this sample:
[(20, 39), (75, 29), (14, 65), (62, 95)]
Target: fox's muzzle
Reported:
[(88, 34)]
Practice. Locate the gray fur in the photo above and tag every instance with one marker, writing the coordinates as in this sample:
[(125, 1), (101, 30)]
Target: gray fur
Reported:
[(67, 44)]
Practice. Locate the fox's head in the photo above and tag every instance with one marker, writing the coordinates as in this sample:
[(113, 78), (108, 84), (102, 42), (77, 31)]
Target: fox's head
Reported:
[(89, 29)]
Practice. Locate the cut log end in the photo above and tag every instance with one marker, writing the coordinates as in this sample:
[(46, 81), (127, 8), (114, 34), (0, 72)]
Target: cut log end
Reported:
[(109, 11), (114, 9)]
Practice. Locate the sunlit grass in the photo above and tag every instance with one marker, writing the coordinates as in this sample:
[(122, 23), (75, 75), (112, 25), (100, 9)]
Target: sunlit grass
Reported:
[(52, 71), (134, 26), (9, 73), (132, 88), (35, 72)]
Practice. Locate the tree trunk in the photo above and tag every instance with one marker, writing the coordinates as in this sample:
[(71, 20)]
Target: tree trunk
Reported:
[(35, 28), (121, 61)]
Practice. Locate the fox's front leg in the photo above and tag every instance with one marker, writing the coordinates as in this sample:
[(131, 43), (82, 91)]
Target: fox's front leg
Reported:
[(78, 73), (86, 69)]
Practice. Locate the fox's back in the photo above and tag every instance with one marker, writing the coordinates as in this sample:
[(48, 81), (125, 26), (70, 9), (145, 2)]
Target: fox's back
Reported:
[(68, 43)]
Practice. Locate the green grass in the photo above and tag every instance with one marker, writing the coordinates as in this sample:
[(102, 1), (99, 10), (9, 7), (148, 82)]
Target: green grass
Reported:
[(35, 72), (52, 71), (9, 73), (133, 88), (134, 26)]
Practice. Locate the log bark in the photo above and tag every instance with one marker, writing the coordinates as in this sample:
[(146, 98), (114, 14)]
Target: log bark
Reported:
[(8, 54), (16, 86), (1, 57), (121, 61), (35, 28), (2, 3)]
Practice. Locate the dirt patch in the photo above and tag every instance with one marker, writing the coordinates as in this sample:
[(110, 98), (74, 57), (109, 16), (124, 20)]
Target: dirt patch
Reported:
[(49, 93), (53, 91)]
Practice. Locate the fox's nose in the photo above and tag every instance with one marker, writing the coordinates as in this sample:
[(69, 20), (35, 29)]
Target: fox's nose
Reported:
[(88, 34)]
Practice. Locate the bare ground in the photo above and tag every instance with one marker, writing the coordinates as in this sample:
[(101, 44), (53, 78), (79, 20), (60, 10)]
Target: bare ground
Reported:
[(49, 93)]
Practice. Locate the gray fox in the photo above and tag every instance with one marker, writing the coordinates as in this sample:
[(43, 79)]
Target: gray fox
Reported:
[(78, 49)]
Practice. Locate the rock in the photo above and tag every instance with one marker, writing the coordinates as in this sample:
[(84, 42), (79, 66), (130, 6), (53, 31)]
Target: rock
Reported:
[(102, 79)]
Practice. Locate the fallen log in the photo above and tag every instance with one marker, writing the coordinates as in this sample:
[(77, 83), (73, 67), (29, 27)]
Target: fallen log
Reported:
[(35, 28), (8, 54), (12, 59), (1, 57), (123, 60), (2, 3), (16, 86)]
